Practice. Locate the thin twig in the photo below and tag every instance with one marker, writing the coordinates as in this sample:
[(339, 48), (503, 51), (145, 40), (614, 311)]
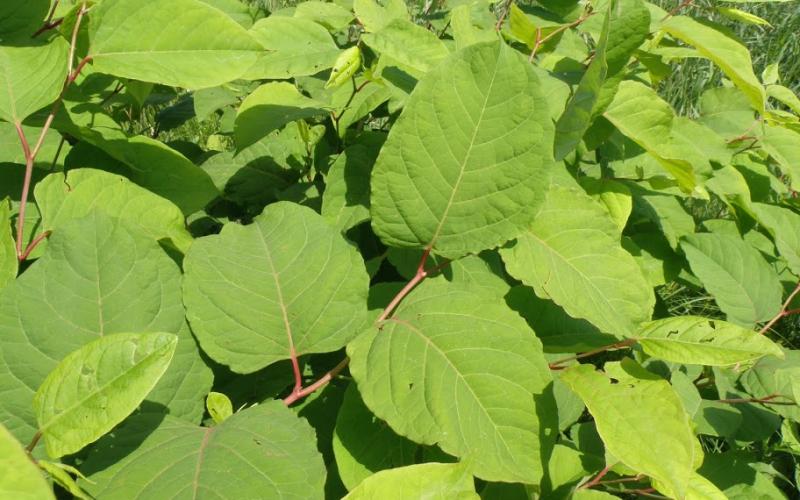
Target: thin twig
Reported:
[(556, 365), (48, 23), (768, 400), (300, 392), (541, 41), (683, 4), (34, 442), (506, 8), (783, 312), (30, 153), (596, 479)]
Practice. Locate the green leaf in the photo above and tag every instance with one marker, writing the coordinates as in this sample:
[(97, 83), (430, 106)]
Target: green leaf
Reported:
[(345, 202), (729, 54), (21, 18), (346, 65), (286, 283), (577, 116), (472, 23), (727, 111), (624, 414), (364, 444), (219, 407), (293, 47), (182, 43), (19, 476), (96, 387), (8, 251), (262, 452), (785, 96), (743, 284), (742, 16), (641, 115), (270, 107), (455, 367), (148, 162), (374, 16), (418, 481), (96, 278), (62, 198), (781, 143), (771, 376), (702, 341), (572, 254), (31, 77), (329, 14), (613, 195), (408, 44), (355, 106), (784, 226), (60, 474), (465, 145)]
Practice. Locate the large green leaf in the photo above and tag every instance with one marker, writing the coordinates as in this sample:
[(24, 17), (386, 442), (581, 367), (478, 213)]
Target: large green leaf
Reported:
[(270, 107), (286, 283), (455, 367), (262, 452), (62, 198), (345, 202), (743, 284), (96, 387), (374, 16), (635, 417), (147, 162), (784, 225), (364, 444), (418, 481), (31, 77), (702, 341), (409, 44), (572, 254), (20, 479), (8, 251), (184, 43), (641, 115), (729, 54), (21, 18), (95, 279), (467, 163), (782, 144)]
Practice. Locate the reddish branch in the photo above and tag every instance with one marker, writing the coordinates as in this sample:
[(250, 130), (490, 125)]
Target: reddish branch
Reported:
[(556, 365), (785, 311), (765, 400), (682, 5), (30, 153), (541, 41), (49, 23), (299, 391), (596, 479)]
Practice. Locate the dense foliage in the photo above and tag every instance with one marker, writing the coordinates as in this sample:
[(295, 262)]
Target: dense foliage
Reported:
[(415, 251)]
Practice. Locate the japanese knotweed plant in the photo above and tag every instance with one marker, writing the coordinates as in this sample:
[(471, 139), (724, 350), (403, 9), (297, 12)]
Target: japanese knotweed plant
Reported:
[(360, 249)]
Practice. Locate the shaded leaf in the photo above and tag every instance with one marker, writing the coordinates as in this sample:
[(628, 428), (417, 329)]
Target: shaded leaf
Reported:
[(418, 481)]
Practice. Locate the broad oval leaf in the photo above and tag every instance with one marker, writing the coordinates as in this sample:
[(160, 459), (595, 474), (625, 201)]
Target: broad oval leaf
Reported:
[(635, 417), (374, 16), (743, 284), (96, 387), (408, 44), (730, 55), (293, 47), (20, 478), (262, 452), (363, 444), (31, 77), (96, 278), (702, 341), (287, 283), (432, 480), (270, 107), (467, 163), (571, 254), (784, 225), (345, 202), (63, 197), (454, 366), (183, 43)]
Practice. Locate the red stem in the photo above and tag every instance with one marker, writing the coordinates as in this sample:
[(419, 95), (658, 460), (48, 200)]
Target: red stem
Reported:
[(300, 392), (596, 479), (48, 23), (764, 400), (784, 311), (30, 154)]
